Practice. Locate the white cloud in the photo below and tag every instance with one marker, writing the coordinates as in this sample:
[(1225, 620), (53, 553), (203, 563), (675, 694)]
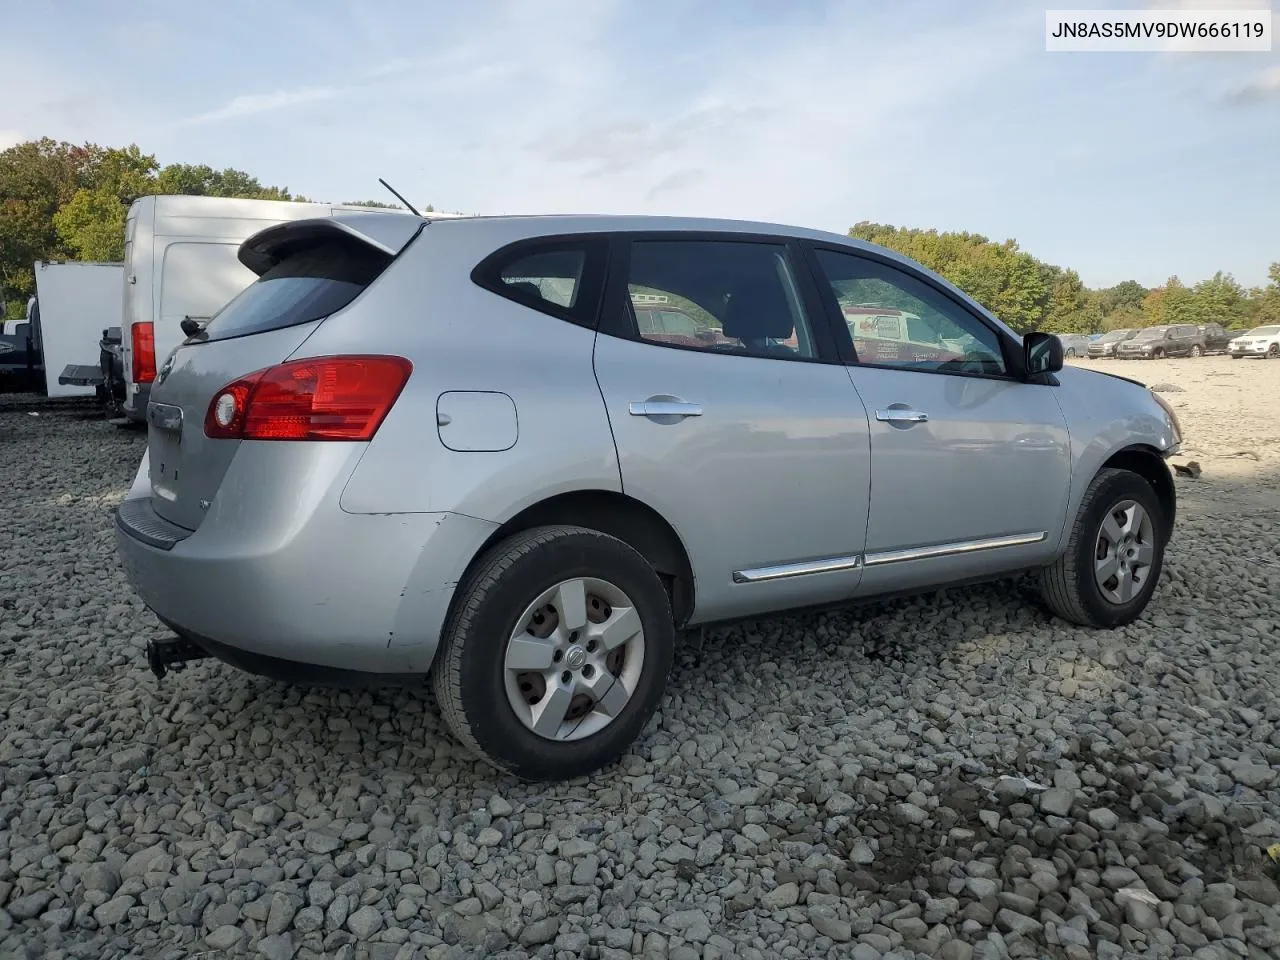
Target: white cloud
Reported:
[(251, 103), (9, 137), (1261, 86)]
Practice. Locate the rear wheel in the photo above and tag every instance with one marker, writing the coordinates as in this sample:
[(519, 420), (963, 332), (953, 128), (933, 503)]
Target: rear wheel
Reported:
[(1157, 354), (1071, 352), (556, 653), (1197, 350), (1114, 554)]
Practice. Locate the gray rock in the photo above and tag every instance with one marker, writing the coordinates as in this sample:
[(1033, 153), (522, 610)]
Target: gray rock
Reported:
[(398, 860), (1255, 775), (1016, 924), (113, 911), (910, 813), (224, 937), (32, 905), (320, 843), (540, 931), (826, 922), (278, 946), (1056, 801), (1103, 819), (981, 887), (308, 920), (145, 860), (280, 916), (782, 896), (365, 922)]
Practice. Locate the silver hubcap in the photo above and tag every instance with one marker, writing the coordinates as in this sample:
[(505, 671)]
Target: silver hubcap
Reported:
[(1124, 551), (574, 659)]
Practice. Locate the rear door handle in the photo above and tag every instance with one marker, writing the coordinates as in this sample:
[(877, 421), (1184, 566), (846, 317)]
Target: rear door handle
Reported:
[(664, 408), (899, 415)]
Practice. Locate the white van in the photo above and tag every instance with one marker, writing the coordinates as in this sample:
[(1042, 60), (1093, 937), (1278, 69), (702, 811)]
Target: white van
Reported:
[(180, 261)]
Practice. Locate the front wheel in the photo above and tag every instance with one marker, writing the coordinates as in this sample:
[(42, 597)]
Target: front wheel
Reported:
[(1273, 351), (556, 653), (1197, 350), (1070, 354), (1114, 555), (1157, 355)]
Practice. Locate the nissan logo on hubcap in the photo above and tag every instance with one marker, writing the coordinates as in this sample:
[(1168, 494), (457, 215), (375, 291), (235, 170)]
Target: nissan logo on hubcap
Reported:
[(575, 658)]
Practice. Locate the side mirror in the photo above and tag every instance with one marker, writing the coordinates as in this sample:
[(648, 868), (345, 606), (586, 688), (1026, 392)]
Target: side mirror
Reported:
[(1042, 353)]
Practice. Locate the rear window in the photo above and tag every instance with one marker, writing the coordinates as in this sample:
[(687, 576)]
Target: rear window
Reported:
[(310, 283)]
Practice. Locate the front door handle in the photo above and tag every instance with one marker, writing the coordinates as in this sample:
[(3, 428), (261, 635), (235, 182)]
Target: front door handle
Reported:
[(664, 408), (900, 415)]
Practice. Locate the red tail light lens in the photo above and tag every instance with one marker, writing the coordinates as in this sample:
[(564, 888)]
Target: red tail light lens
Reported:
[(325, 398), (143, 351)]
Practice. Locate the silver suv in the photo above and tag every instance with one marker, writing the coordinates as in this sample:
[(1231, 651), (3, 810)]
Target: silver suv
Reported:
[(448, 449)]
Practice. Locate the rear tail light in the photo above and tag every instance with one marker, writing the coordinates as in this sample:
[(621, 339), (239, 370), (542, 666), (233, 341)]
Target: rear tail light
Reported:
[(323, 398), (144, 352)]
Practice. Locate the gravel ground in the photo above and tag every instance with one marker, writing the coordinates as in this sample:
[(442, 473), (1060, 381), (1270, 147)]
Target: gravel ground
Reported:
[(957, 776)]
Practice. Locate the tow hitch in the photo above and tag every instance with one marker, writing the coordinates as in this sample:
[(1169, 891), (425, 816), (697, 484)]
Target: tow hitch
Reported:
[(171, 652)]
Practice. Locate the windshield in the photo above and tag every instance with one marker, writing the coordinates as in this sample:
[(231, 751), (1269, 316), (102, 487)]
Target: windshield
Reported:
[(1153, 333), (1113, 336), (1263, 331)]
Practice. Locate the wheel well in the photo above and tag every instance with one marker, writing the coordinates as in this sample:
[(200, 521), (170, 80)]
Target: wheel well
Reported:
[(1148, 464), (618, 515)]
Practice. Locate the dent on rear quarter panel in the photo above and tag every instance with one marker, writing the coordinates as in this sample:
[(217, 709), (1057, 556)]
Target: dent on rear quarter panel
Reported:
[(1105, 415)]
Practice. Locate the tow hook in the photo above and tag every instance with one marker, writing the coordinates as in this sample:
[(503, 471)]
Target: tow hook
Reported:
[(171, 653)]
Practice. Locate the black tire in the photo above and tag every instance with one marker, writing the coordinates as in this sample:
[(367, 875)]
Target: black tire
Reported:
[(1068, 586), (1273, 351), (468, 673), (1070, 354), (1157, 355), (1197, 350)]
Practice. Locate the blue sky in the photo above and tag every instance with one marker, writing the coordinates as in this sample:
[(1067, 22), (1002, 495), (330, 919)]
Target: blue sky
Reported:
[(916, 113)]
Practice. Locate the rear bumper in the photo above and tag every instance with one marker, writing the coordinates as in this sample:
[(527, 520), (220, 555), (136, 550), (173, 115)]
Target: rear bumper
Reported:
[(309, 586)]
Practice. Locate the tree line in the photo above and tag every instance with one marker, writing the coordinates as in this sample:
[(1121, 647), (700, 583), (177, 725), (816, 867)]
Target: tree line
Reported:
[(1029, 294), (63, 201)]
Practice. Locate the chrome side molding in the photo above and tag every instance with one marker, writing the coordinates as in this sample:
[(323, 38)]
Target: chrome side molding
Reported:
[(952, 549), (805, 568), (782, 571)]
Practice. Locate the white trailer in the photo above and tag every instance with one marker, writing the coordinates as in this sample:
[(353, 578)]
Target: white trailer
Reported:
[(77, 302), (180, 262)]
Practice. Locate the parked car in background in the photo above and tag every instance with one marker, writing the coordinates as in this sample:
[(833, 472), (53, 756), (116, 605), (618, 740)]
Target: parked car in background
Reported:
[(1105, 345), (1155, 343), (1258, 342), (590, 491), (1215, 337), (1073, 344)]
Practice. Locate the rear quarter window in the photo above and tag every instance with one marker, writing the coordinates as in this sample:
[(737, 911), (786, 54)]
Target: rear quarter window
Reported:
[(309, 283)]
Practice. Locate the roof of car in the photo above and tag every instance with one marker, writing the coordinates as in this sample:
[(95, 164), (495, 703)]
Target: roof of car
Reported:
[(605, 222)]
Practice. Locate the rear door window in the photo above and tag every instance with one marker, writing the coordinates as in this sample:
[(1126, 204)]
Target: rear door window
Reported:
[(310, 283)]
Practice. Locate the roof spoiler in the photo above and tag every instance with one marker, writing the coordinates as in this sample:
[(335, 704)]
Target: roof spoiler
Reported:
[(388, 233)]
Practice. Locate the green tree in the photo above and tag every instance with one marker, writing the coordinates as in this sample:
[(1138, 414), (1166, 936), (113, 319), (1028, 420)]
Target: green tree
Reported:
[(92, 225), (36, 178), (1219, 299), (201, 180), (1127, 293)]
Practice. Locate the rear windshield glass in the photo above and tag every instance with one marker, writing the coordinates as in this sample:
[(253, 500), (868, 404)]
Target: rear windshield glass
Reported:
[(308, 284)]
